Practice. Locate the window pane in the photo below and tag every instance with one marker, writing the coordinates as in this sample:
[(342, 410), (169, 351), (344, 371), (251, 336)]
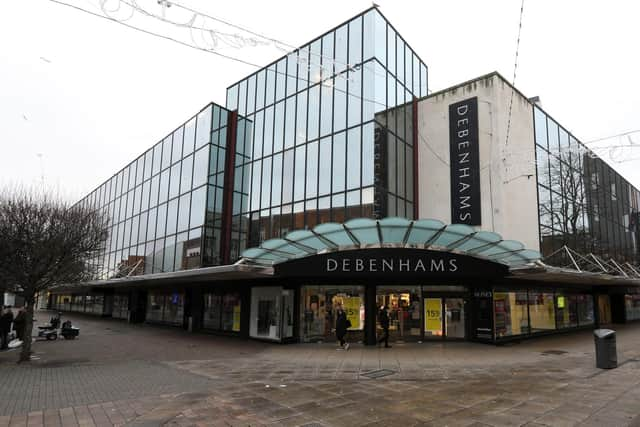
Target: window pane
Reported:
[(367, 155), (172, 216), (287, 179), (277, 180), (200, 167), (187, 170), (266, 183), (174, 184), (290, 123), (326, 108), (280, 78), (268, 132), (299, 173), (157, 156), (260, 90), (355, 41), (255, 185), (312, 170), (164, 186), (325, 166), (353, 158), (203, 127), (314, 105), (198, 201), (166, 152), (183, 212), (270, 85), (155, 185), (161, 220), (301, 118), (189, 136), (278, 129), (339, 154)]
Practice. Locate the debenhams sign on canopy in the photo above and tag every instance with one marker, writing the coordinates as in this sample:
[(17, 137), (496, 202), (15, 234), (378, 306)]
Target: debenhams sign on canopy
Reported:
[(390, 265), (390, 262)]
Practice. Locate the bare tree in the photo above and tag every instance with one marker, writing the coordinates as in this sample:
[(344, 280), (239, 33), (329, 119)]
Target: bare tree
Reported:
[(566, 203), (44, 243)]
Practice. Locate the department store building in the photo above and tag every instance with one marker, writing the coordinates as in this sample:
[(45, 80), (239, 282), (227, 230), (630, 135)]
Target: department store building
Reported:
[(332, 176)]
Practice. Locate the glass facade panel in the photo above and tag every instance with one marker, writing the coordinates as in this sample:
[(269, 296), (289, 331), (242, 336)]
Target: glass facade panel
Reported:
[(541, 311), (578, 195), (510, 313), (317, 312)]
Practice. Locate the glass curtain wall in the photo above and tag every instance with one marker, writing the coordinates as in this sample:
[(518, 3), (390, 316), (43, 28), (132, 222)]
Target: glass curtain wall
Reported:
[(583, 203), (316, 113), (156, 205)]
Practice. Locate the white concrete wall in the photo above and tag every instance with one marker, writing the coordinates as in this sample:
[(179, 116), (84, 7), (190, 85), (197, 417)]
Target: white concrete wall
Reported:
[(509, 199)]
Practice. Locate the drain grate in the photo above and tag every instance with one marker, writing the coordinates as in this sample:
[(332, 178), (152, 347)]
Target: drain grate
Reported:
[(378, 373), (554, 352)]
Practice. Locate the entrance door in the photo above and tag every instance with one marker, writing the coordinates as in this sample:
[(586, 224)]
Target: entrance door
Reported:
[(403, 307), (454, 317), (444, 318)]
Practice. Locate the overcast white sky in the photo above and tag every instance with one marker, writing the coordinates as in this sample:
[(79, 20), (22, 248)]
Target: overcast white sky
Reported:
[(90, 95)]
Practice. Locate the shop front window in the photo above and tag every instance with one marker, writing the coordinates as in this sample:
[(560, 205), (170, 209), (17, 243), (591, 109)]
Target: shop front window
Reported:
[(120, 306), (265, 313), (566, 310), (510, 313), (585, 310), (542, 311), (222, 312), (632, 307), (165, 308), (403, 305), (155, 304), (317, 312)]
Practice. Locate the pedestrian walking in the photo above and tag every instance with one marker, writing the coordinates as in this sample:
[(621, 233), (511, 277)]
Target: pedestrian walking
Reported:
[(342, 324), (19, 323), (383, 318), (6, 318)]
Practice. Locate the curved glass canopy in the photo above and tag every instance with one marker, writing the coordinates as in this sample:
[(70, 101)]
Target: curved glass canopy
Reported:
[(365, 233)]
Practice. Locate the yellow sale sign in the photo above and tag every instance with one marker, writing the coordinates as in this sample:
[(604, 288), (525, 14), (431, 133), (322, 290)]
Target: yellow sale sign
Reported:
[(433, 314), (351, 306)]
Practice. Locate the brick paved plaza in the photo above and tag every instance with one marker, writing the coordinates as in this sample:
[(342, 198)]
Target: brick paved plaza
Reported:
[(140, 375)]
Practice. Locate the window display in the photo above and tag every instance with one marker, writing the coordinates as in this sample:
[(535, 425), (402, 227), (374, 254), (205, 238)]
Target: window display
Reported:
[(632, 307), (165, 308), (542, 311), (318, 312), (120, 307), (265, 313), (585, 310), (222, 312), (566, 310), (510, 313)]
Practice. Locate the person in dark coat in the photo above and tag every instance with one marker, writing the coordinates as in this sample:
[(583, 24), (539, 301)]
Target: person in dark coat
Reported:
[(19, 323), (5, 327), (341, 327), (383, 318)]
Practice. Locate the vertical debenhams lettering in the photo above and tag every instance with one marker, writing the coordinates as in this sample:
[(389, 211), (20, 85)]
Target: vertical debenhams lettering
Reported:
[(465, 162)]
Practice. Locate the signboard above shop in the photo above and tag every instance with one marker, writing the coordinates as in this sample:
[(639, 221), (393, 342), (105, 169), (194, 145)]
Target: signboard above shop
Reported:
[(392, 263)]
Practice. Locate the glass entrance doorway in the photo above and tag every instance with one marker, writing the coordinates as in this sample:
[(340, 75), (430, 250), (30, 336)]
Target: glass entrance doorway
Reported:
[(403, 307), (444, 318)]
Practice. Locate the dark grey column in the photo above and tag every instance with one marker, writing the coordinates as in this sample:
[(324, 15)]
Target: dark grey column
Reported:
[(370, 311)]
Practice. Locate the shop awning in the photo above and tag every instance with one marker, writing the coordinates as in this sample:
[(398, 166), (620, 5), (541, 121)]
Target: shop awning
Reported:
[(197, 275), (366, 233)]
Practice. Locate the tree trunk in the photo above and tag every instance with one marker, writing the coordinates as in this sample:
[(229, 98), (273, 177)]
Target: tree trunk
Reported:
[(25, 353)]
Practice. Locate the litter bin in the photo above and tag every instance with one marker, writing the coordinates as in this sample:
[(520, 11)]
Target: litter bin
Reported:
[(606, 355)]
